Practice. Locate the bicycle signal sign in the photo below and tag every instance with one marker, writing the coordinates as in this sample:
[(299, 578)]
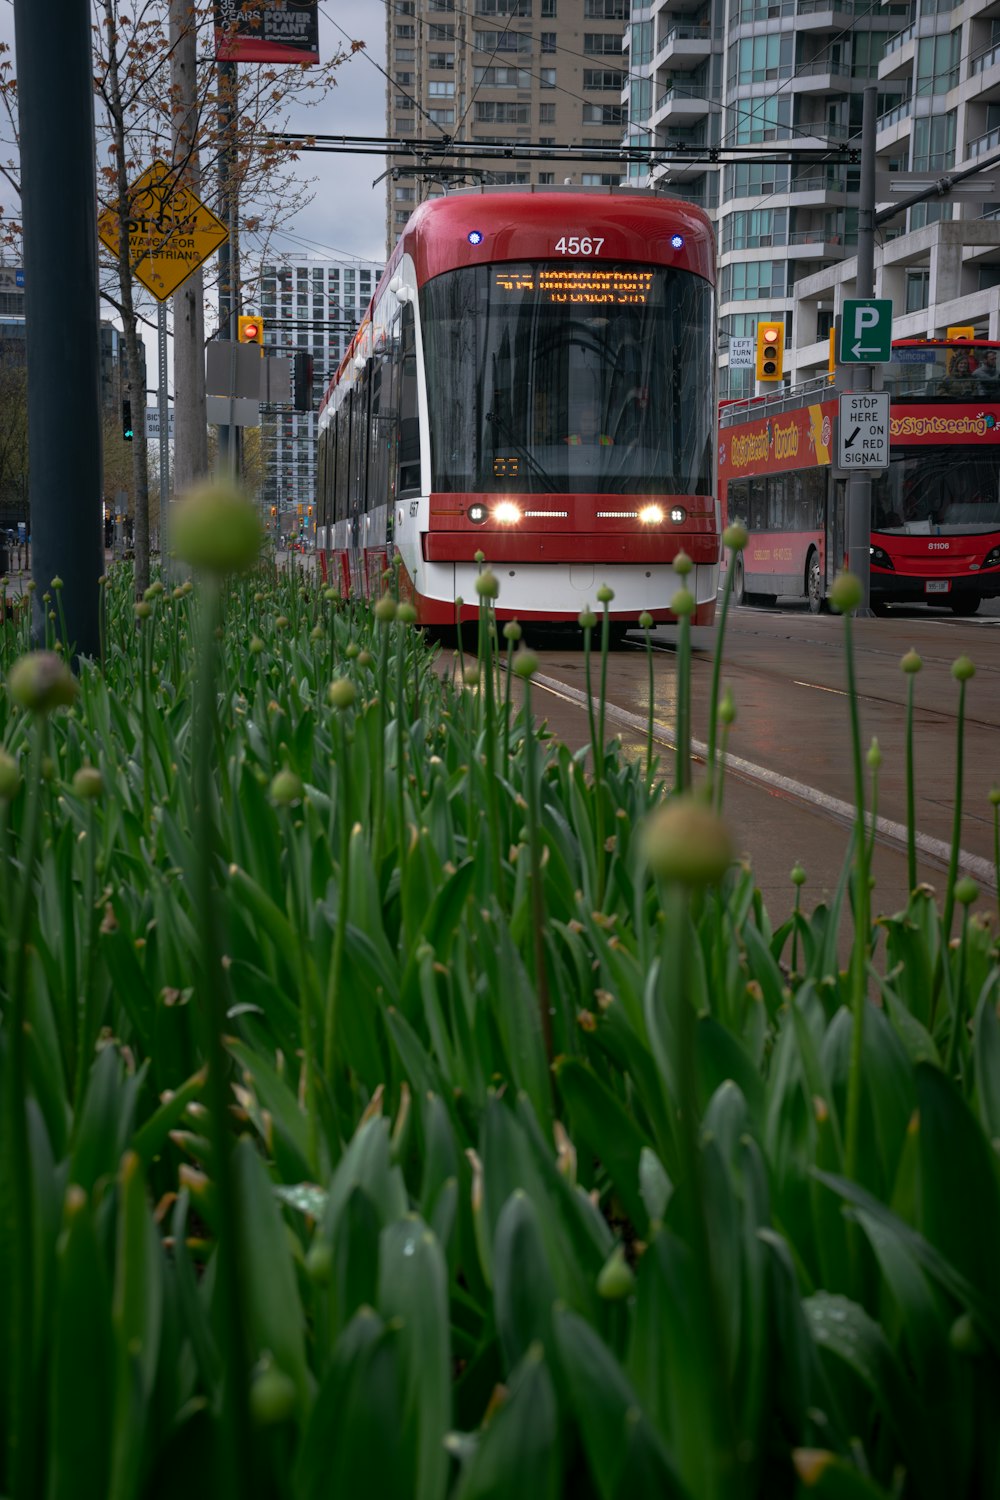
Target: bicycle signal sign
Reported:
[(170, 231)]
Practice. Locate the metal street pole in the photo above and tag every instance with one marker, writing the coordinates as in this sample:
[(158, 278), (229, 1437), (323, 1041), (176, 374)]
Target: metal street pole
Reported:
[(62, 313), (227, 299), (163, 409), (859, 485)]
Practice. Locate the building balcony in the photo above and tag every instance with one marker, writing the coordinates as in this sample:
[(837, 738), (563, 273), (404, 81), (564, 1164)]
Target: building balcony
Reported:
[(821, 77), (983, 83), (816, 244), (683, 103), (685, 45), (893, 127), (897, 59)]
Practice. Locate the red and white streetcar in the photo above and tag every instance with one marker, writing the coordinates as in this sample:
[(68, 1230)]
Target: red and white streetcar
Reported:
[(534, 380)]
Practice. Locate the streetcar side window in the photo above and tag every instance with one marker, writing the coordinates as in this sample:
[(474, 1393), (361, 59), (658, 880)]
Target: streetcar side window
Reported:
[(343, 464), (409, 418)]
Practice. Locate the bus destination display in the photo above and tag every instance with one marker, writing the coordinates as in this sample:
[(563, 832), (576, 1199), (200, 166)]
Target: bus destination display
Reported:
[(597, 286)]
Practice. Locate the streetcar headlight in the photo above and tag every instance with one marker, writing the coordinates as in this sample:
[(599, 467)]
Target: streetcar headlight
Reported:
[(477, 513), (651, 515), (507, 513)]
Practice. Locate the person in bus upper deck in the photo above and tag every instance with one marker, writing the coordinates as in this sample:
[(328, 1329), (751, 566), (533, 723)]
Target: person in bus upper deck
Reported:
[(987, 373), (959, 381)]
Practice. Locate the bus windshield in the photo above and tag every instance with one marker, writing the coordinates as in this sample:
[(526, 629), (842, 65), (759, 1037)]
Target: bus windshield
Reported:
[(570, 376), (935, 489)]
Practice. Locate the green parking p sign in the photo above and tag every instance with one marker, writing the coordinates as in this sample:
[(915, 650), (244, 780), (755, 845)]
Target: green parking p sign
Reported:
[(866, 331)]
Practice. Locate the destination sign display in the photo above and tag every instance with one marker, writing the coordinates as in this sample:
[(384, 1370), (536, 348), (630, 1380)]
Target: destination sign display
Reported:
[(593, 286)]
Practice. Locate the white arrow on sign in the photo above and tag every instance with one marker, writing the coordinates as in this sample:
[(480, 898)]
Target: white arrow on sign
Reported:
[(864, 317)]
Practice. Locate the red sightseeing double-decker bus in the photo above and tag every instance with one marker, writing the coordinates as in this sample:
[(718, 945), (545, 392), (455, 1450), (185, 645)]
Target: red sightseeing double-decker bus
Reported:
[(935, 535), (534, 380)]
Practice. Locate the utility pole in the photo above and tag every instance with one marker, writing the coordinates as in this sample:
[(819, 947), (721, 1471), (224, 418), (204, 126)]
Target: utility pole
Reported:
[(190, 430), (62, 313), (227, 298), (859, 485)]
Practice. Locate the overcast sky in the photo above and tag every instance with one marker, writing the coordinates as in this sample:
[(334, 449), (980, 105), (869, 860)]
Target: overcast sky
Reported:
[(347, 215)]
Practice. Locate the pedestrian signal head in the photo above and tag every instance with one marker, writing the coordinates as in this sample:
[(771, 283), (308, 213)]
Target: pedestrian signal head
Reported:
[(251, 331), (770, 351), (128, 431)]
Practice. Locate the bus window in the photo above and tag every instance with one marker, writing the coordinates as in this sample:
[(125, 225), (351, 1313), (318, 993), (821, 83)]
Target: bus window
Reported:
[(758, 505)]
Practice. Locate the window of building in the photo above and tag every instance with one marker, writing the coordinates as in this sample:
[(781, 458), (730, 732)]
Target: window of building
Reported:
[(603, 114), (502, 78), (404, 126), (640, 44), (503, 41), (440, 89), (605, 10), (404, 32), (597, 42), (403, 80), (933, 142), (503, 7), (603, 78), (440, 59), (600, 179), (440, 5), (498, 111), (548, 11), (404, 194), (918, 287), (549, 41), (404, 54), (439, 31), (640, 100), (765, 119), (867, 48), (547, 78), (546, 114), (938, 63), (546, 179), (752, 231), (759, 59), (403, 103), (753, 280), (441, 116)]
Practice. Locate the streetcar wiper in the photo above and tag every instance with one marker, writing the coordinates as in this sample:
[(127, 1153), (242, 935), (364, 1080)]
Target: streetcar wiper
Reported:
[(502, 427)]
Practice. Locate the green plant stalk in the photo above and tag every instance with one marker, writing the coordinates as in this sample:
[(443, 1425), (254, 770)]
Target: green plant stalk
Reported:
[(307, 1020), (234, 1468), (86, 1030), (21, 1393), (486, 671), (713, 700), (958, 1013), (401, 738), (591, 720), (649, 714), (795, 928), (102, 622), (682, 777), (942, 972), (378, 789), (508, 688), (996, 852), (63, 632), (720, 776), (862, 922), (911, 813), (535, 852), (146, 654), (599, 757), (343, 887)]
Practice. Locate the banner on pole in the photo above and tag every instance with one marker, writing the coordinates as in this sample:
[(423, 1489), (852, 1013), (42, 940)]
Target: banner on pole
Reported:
[(267, 31)]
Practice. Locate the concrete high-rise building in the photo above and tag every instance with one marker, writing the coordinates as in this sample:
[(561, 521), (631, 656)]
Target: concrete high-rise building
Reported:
[(783, 74), (524, 72), (312, 304)]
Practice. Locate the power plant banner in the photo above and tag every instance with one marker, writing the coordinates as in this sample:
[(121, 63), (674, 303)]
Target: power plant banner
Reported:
[(267, 31)]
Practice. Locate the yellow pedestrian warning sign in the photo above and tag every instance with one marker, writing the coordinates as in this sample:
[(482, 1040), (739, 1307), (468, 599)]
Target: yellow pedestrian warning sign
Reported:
[(170, 231)]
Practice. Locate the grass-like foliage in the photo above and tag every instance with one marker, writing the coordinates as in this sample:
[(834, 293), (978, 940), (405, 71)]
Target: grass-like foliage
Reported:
[(397, 1104)]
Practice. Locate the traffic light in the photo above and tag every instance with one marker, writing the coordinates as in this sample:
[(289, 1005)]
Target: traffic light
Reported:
[(250, 331), (302, 397), (770, 350), (128, 431)]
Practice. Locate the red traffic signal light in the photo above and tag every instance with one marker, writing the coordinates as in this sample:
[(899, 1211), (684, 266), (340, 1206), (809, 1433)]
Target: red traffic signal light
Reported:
[(770, 351), (250, 330)]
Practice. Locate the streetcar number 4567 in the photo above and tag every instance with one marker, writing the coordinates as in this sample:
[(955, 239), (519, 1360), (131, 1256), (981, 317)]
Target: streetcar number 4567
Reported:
[(574, 244)]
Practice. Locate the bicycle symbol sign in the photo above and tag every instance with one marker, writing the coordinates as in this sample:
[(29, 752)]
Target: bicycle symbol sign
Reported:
[(170, 231)]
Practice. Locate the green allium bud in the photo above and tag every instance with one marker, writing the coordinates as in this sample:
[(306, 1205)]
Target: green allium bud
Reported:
[(351, 650), (272, 1397), (685, 841), (645, 620), (365, 659), (727, 707), (216, 527), (605, 594), (470, 677), (142, 610), (286, 788), (385, 609), (341, 693), (40, 682), (88, 783), (154, 591), (616, 1279), (512, 631), (911, 662), (258, 597), (874, 754), (525, 664), (332, 596), (406, 614), (683, 604), (281, 623), (966, 890), (10, 777), (479, 556), (798, 876), (319, 1261), (735, 537), (256, 645), (995, 796), (587, 619), (57, 583), (682, 564), (962, 669), (317, 633), (487, 584), (845, 593)]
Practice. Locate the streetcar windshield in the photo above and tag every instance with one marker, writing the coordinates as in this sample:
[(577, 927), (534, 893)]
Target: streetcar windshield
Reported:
[(570, 376), (930, 490)]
